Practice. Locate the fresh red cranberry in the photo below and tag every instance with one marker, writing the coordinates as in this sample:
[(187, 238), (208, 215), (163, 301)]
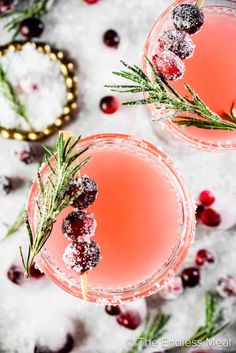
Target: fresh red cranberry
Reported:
[(111, 38), (168, 65), (82, 257), (87, 190), (188, 18), (6, 5), (204, 256), (207, 198), (5, 185), (112, 310), (16, 274), (199, 210), (226, 286), (190, 277), (129, 319), (91, 2), (79, 225), (173, 289), (210, 217), (109, 104), (31, 27), (67, 348), (26, 155), (35, 272), (178, 42)]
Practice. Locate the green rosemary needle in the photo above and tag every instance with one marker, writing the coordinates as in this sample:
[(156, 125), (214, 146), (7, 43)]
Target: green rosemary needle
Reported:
[(53, 198), (9, 94), (190, 110)]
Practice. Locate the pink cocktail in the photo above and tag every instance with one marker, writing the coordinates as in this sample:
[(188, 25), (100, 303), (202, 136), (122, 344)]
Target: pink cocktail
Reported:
[(145, 221), (210, 71)]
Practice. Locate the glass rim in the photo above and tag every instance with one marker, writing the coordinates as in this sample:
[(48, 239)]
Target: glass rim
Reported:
[(175, 131), (156, 282)]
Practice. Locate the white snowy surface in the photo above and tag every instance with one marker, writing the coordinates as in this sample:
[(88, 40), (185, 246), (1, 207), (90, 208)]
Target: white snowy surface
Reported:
[(38, 310), (40, 86)]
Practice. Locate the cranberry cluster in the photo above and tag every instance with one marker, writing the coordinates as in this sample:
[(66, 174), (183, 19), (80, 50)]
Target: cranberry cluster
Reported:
[(82, 254), (176, 44), (190, 276), (204, 212), (130, 319)]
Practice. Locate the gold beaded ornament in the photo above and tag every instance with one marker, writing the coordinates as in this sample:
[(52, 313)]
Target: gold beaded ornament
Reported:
[(67, 71)]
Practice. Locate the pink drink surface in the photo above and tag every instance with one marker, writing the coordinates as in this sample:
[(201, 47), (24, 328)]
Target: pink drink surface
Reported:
[(138, 218), (211, 71)]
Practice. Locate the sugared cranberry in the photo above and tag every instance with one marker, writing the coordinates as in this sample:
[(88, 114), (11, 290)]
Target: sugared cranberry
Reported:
[(87, 190), (129, 319), (188, 18), (207, 198), (35, 272), (168, 65), (67, 348), (204, 256), (179, 42), (79, 225), (6, 5), (109, 104), (31, 27), (226, 286), (113, 310), (82, 257), (26, 155), (91, 2), (173, 289), (199, 210), (190, 277), (210, 217), (111, 38), (15, 274), (5, 185)]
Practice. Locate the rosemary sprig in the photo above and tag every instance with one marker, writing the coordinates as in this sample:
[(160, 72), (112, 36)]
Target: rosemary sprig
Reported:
[(53, 197), (214, 321), (153, 329), (8, 92), (37, 9), (19, 221), (167, 99)]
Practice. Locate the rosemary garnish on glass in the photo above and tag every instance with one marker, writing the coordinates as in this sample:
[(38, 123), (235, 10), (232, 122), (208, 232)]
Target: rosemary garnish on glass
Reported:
[(9, 94), (53, 198), (190, 110)]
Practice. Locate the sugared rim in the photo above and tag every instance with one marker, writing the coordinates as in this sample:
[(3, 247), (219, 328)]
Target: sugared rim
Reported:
[(156, 282), (168, 124)]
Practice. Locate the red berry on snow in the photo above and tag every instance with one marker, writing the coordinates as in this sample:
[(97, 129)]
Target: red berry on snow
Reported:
[(111, 38), (204, 256), (109, 104), (210, 217), (112, 310), (226, 286), (129, 319), (207, 198), (190, 276)]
